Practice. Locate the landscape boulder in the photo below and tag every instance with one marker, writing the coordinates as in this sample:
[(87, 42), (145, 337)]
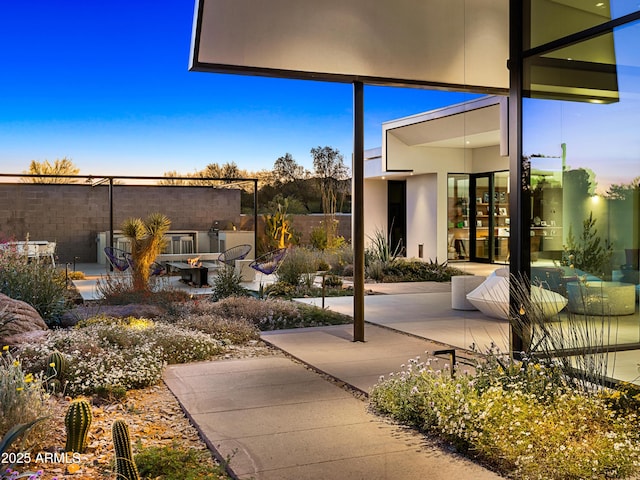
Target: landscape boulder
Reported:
[(19, 322)]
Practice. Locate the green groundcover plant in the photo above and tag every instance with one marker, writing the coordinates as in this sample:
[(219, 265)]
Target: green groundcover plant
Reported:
[(519, 417), (177, 463)]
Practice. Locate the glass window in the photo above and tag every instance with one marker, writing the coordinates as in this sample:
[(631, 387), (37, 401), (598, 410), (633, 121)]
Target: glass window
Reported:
[(585, 196), (555, 19), (584, 72)]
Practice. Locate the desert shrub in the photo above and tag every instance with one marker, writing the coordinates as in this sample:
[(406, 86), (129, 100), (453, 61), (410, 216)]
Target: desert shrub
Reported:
[(520, 418), (318, 238), (226, 283), (339, 258), (174, 462), (265, 314), (333, 281), (76, 275), (38, 284), (105, 353), (23, 397), (624, 398), (418, 271), (274, 314), (375, 270), (117, 289), (288, 292), (281, 290), (325, 237), (297, 266), (236, 331), (315, 317)]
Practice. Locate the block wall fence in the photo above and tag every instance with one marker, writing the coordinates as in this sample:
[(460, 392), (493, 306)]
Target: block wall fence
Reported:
[(72, 215)]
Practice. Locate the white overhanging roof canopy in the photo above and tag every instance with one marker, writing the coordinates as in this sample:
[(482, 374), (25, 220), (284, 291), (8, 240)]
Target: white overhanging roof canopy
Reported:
[(452, 44), (457, 44)]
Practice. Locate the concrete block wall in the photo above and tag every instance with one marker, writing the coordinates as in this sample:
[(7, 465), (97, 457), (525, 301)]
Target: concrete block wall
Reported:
[(73, 214)]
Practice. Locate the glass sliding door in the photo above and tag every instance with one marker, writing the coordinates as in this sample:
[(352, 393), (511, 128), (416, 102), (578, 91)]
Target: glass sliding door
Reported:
[(482, 220), (490, 217), (458, 217), (501, 226)]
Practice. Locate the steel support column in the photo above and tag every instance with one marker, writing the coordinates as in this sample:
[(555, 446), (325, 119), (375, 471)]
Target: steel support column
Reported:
[(520, 201), (357, 203)]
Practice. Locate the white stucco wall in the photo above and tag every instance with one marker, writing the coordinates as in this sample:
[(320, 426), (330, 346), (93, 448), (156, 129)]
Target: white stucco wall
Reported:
[(425, 159), (375, 204), (422, 213), (488, 159), (426, 170)]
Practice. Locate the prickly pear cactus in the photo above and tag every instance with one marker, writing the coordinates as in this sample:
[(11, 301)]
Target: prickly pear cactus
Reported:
[(77, 422), (125, 466)]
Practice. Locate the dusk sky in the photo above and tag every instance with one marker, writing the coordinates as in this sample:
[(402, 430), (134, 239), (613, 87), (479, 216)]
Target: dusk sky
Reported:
[(106, 84)]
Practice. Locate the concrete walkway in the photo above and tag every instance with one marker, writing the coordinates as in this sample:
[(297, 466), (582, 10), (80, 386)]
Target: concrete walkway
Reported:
[(275, 418)]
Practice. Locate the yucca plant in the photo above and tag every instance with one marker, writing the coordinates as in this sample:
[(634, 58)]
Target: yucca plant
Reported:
[(147, 242)]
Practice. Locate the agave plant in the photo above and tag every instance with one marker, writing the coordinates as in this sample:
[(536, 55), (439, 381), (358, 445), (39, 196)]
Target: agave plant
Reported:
[(6, 471), (147, 242)]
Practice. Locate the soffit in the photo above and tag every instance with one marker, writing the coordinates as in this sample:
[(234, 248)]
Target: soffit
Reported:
[(471, 129)]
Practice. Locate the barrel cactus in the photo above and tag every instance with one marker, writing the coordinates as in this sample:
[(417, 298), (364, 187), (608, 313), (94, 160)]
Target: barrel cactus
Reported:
[(125, 466), (56, 368), (77, 422), (56, 365)]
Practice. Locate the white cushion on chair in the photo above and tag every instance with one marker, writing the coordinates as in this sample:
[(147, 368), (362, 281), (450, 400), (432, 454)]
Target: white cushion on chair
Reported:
[(492, 298)]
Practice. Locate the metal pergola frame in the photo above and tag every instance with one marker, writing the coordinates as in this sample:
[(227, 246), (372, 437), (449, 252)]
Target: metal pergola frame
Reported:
[(96, 180)]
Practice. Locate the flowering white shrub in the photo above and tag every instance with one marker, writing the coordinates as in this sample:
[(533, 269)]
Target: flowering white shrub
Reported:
[(182, 345), (228, 331), (106, 353), (520, 417)]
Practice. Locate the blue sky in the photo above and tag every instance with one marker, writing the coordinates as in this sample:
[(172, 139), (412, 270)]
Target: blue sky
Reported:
[(106, 84)]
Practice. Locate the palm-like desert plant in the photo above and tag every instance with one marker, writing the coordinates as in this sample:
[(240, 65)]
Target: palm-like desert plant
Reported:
[(147, 242)]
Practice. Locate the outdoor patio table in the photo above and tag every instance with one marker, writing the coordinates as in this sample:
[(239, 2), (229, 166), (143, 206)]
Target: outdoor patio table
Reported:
[(197, 275)]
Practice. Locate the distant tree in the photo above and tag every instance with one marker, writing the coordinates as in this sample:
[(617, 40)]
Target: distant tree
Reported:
[(201, 177), (624, 191), (330, 173), (62, 166), (171, 178), (286, 170), (226, 170)]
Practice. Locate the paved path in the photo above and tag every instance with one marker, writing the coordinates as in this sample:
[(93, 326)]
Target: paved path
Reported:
[(279, 420)]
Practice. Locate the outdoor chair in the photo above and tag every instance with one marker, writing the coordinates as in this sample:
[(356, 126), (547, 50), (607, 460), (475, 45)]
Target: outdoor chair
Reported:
[(119, 259), (155, 268), (48, 251), (229, 256), (269, 262)]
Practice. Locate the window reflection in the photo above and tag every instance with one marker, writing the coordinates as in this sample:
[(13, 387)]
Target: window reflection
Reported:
[(585, 197)]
